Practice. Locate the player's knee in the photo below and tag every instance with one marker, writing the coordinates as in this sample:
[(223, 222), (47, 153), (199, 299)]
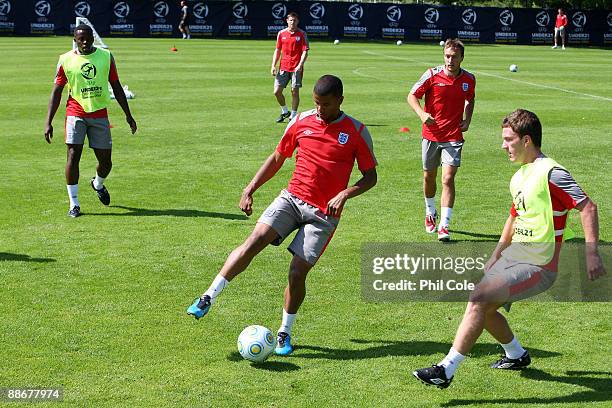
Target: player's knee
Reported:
[(429, 177), (297, 277), (476, 306), (448, 179), (73, 157), (278, 91), (295, 91)]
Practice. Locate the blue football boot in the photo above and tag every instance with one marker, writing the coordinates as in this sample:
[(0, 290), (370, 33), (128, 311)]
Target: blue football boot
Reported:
[(200, 307), (283, 346)]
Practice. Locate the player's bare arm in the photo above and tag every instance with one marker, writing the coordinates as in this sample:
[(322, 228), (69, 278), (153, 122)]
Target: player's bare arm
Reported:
[(300, 65), (336, 204), (415, 104), (122, 101), (469, 110), (54, 102), (590, 224), (275, 58), (270, 167), (504, 242)]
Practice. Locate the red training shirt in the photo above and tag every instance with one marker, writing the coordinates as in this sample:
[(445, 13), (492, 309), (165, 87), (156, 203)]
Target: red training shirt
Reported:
[(325, 155), (291, 45), (73, 108), (561, 21), (445, 98)]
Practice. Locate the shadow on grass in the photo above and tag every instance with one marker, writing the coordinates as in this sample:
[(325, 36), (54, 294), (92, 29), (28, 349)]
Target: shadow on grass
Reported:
[(488, 237), (266, 365), (600, 389), (388, 348), (146, 212), (6, 256)]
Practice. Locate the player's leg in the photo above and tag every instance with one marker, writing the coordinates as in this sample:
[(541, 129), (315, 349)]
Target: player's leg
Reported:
[(73, 157), (280, 82), (451, 160), (523, 281), (181, 28), (295, 292), (296, 84), (237, 261), (295, 101), (447, 201), (307, 247), (430, 155), (562, 35), (75, 131), (485, 300), (99, 135), (187, 30), (556, 33), (276, 222)]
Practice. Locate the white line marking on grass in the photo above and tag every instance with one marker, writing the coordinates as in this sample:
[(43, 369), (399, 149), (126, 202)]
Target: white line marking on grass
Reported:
[(494, 76)]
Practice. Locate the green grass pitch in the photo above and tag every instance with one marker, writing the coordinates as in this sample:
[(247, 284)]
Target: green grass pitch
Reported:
[(97, 304)]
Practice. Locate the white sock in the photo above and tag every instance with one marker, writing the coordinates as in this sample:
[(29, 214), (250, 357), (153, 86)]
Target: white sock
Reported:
[(513, 349), (447, 213), (284, 109), (430, 205), (451, 362), (287, 322), (73, 194), (293, 114), (98, 182), (184, 36), (217, 285)]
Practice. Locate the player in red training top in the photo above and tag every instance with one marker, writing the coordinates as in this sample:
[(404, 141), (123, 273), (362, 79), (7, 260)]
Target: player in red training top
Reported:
[(87, 71), (449, 94), (560, 24), (292, 49), (524, 263), (328, 142)]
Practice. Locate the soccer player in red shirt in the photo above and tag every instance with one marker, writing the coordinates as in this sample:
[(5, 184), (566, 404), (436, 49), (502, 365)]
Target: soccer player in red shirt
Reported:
[(79, 123), (560, 24), (328, 142), (292, 49), (449, 94), (508, 277)]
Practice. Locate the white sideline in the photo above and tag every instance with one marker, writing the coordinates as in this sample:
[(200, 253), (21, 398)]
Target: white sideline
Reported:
[(356, 71)]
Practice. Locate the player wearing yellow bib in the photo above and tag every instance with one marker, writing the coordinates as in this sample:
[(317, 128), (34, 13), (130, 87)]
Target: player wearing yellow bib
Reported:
[(87, 72), (524, 262)]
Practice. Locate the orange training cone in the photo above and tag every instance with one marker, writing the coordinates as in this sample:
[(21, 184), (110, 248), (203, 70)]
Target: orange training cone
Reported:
[(404, 129), (173, 49)]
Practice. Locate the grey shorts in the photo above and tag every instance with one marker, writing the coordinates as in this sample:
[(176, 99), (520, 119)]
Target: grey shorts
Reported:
[(283, 77), (315, 229), (521, 280), (434, 154), (97, 131)]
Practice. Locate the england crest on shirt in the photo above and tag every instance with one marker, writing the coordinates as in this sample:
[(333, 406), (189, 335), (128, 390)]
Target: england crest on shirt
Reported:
[(343, 138), (465, 86)]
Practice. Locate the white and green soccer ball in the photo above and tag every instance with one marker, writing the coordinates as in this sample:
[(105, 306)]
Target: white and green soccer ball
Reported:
[(336, 42), (513, 68), (399, 42), (256, 343)]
